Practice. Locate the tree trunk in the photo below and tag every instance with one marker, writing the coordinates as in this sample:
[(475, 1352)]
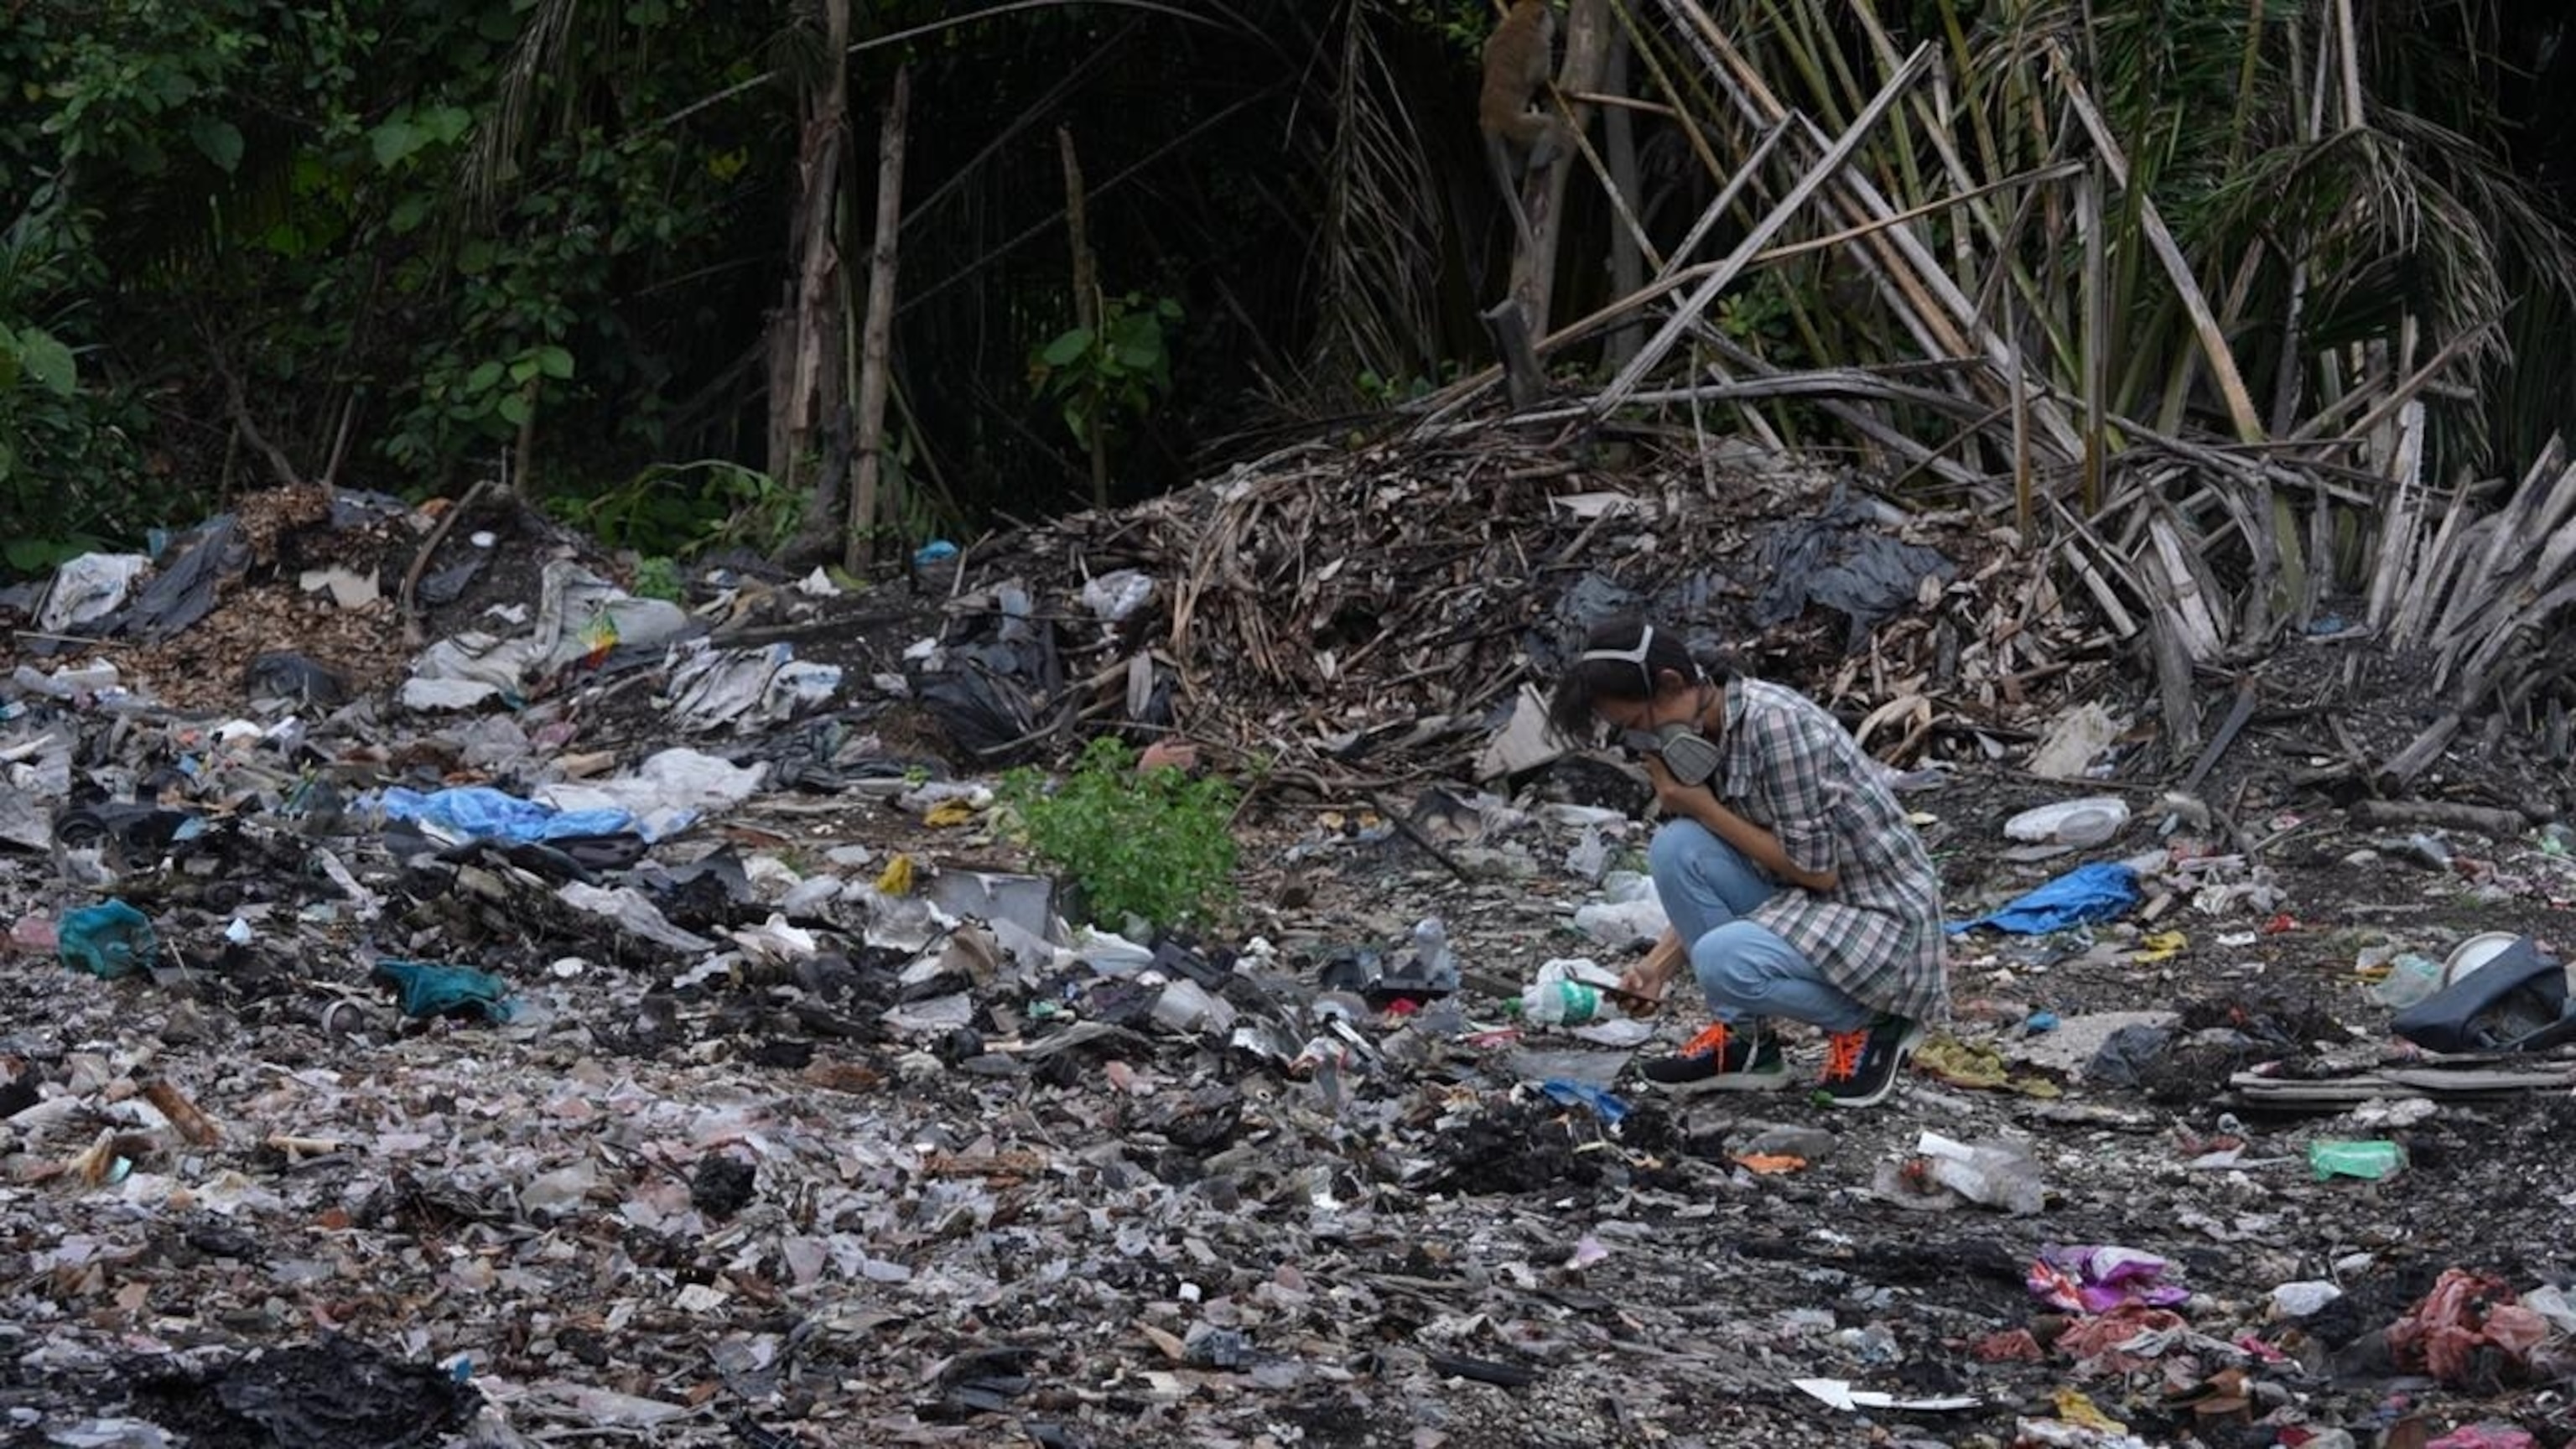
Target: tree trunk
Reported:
[(806, 350), (877, 340), (1587, 44), (1627, 255), (1086, 306)]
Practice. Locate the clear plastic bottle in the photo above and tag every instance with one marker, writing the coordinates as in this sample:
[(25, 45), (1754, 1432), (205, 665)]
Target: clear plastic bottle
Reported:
[(1566, 993)]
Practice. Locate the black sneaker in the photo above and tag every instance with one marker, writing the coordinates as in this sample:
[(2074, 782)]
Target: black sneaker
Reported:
[(1722, 1059), (1861, 1066)]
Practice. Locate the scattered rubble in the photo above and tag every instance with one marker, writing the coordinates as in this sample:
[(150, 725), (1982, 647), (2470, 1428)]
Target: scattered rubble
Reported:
[(666, 1038)]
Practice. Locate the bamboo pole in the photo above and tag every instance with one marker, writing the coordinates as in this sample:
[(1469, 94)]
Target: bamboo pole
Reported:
[(877, 337)]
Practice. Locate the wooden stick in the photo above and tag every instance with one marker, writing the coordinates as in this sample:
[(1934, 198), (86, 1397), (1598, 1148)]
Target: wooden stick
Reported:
[(2445, 814), (877, 345), (1660, 346)]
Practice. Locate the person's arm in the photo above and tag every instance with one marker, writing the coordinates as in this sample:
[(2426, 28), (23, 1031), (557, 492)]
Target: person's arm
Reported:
[(1801, 851), (1760, 846), (1653, 974)]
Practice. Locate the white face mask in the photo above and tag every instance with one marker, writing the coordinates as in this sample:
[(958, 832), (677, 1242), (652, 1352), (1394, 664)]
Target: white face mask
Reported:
[(1691, 756)]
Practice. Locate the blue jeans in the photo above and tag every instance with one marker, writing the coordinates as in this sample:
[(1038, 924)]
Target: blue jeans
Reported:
[(1745, 970)]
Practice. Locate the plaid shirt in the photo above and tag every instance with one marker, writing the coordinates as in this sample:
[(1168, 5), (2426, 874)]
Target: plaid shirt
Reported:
[(1792, 769)]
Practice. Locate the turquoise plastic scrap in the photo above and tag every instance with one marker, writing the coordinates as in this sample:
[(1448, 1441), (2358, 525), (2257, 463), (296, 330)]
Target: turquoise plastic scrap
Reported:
[(108, 940), (430, 989)]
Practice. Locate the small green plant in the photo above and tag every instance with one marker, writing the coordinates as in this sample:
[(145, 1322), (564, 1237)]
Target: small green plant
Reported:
[(658, 577), (1124, 368), (1154, 845)]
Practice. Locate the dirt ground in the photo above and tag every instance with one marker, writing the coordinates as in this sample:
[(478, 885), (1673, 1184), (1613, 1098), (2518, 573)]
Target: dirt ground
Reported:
[(756, 1188)]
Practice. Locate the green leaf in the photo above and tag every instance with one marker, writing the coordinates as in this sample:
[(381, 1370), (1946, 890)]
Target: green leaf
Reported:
[(555, 362), (395, 142), (446, 124), (49, 363), (516, 409), (408, 214), (1063, 351), (220, 140), (482, 378), (523, 370)]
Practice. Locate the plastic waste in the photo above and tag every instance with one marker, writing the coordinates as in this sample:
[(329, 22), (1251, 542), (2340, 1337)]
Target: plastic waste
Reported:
[(108, 1434), (36, 935), (1842, 559), (284, 674), (2102, 1278), (1432, 959), (108, 940), (1589, 857), (1628, 912), (2516, 999), (2299, 1300), (1805, 1143), (1111, 597), (88, 588), (2369, 1161), (2086, 822), (95, 678), (2485, 1436), (479, 812), (2089, 893), (2410, 979), (1567, 992), (2465, 1329), (1186, 1006), (1604, 1104), (1991, 1173), (431, 989)]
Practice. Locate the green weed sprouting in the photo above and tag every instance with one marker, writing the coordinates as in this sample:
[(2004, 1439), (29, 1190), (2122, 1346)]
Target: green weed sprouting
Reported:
[(1155, 844)]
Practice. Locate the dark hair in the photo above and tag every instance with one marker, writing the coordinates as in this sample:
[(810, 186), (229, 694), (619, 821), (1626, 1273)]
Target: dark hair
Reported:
[(1589, 681)]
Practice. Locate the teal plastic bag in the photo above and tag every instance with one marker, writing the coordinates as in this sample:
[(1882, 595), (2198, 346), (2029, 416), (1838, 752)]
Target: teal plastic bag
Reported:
[(430, 989), (108, 940)]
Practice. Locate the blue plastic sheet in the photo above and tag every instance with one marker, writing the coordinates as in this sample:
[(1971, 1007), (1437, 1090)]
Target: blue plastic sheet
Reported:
[(108, 940), (480, 812), (2101, 891), (430, 989), (1570, 1093)]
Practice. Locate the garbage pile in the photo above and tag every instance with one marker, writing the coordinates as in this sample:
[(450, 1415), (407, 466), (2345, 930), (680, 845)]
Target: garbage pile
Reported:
[(612, 1017)]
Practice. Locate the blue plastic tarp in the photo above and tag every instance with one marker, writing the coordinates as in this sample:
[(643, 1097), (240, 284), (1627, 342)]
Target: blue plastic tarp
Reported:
[(479, 812), (2102, 891), (1609, 1107)]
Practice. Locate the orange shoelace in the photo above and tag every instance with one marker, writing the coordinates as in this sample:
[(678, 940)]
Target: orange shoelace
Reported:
[(1710, 1042), (1843, 1051)]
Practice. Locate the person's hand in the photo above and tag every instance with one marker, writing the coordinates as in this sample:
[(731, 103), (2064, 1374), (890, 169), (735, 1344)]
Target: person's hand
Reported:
[(1671, 794), (1178, 755), (1648, 980)]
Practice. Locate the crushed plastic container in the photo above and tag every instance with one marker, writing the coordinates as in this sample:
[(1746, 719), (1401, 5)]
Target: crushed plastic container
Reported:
[(2089, 821), (1992, 1173)]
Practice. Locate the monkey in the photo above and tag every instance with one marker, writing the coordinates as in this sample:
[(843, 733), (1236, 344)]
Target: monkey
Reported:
[(1517, 57)]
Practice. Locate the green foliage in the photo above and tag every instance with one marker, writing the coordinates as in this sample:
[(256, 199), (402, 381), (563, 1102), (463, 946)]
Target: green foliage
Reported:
[(660, 511), (57, 429), (1123, 368), (657, 577), (1155, 845)]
